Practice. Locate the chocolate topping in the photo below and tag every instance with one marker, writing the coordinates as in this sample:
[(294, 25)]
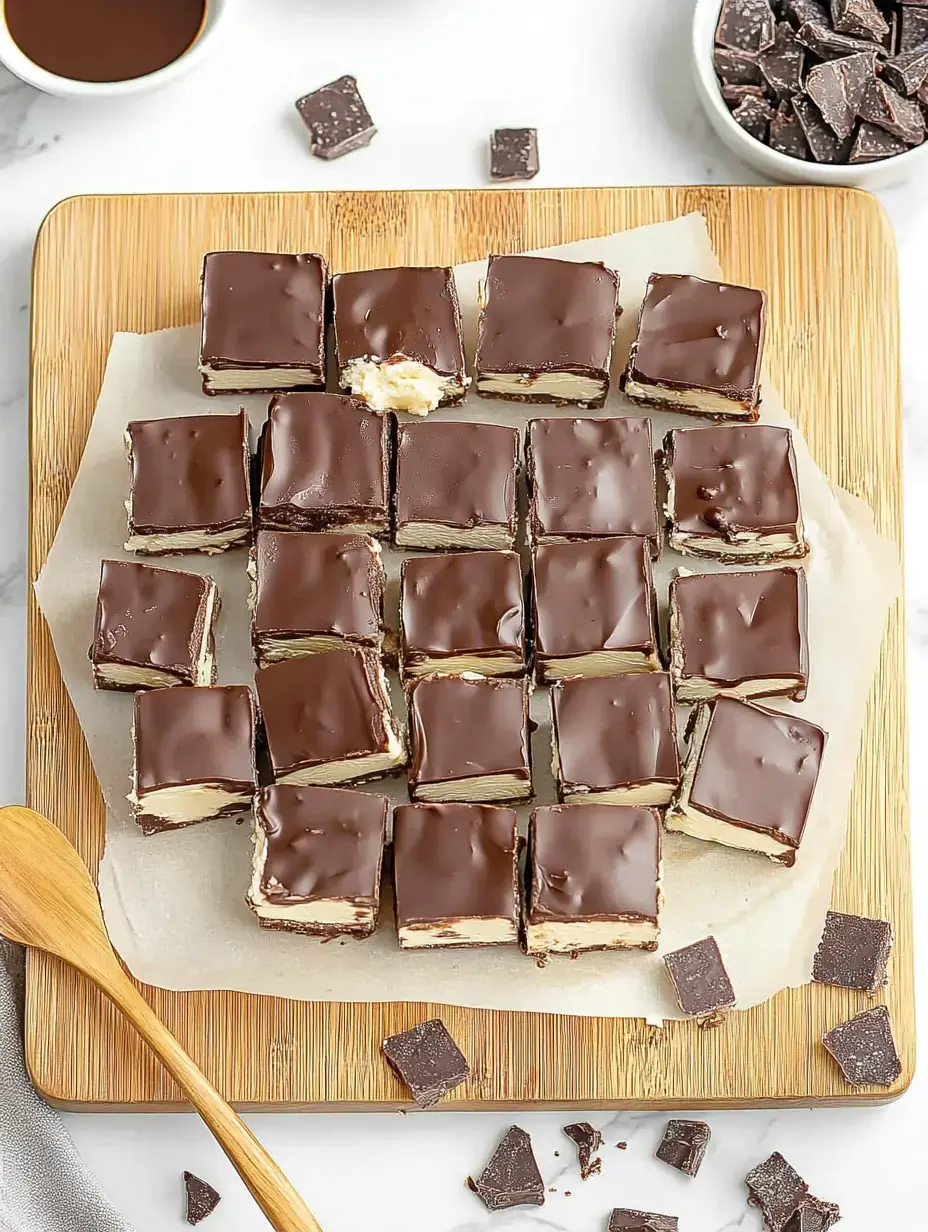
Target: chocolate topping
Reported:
[(428, 1060), (511, 1178), (336, 117), (324, 462), (853, 952), (699, 979), (195, 735), (513, 154), (778, 1189), (683, 1145), (467, 727), (865, 1050), (263, 310)]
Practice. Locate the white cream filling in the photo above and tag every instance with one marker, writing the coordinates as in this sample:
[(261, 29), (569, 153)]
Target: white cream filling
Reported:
[(442, 535), (399, 384), (475, 931), (699, 688), (650, 795), (740, 543), (125, 674), (562, 386), (324, 912), (184, 805), (348, 768), (187, 541), (271, 649), (477, 665), (569, 936), (599, 663), (235, 379), (481, 789), (700, 400)]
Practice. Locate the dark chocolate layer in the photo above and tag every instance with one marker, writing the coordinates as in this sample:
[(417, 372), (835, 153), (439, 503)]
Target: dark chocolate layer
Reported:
[(195, 735), (464, 728), (699, 979)]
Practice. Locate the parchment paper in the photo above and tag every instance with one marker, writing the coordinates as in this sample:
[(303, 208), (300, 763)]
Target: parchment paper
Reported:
[(174, 903)]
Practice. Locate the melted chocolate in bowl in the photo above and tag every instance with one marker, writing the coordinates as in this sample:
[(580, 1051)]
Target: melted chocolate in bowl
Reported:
[(104, 40)]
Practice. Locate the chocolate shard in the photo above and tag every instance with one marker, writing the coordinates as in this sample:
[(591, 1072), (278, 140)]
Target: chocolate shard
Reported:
[(700, 981), (828, 44), (754, 116), (801, 11), (778, 1189), (907, 72), (624, 1220), (815, 1215), (513, 154), (913, 28), (200, 1199), (427, 1060), (865, 1049), (837, 88), (588, 1140), (872, 143), (746, 25), (781, 64), (860, 18), (824, 145), (511, 1178), (786, 133), (853, 952), (337, 119), (734, 95), (683, 1145), (736, 67), (881, 105)]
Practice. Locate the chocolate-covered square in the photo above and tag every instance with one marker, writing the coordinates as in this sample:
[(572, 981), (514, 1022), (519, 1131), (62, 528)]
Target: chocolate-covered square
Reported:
[(593, 877), (698, 347), (327, 719), (325, 463), (591, 477), (865, 1049), (427, 1060), (462, 612), (318, 855), (455, 875), (469, 739), (546, 330), (263, 322), (853, 952), (732, 493), (314, 593), (683, 1145), (189, 484), (153, 627), (336, 118), (594, 607), (513, 154), (456, 485), (615, 739), (700, 981), (739, 633)]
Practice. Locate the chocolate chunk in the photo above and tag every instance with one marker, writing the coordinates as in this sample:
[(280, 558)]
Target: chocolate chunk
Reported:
[(745, 25), (428, 1060), (872, 144), (853, 952), (823, 144), (913, 28), (200, 1199), (735, 95), (754, 116), (801, 11), (786, 133), (881, 105), (511, 1178), (777, 1189), (837, 88), (624, 1220), (700, 981), (514, 153), (781, 64), (683, 1145), (588, 1141), (337, 119), (736, 67), (827, 44), (865, 1049), (907, 72), (860, 18), (814, 1215)]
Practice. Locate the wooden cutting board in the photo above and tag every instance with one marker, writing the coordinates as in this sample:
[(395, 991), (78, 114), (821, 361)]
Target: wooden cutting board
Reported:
[(132, 263)]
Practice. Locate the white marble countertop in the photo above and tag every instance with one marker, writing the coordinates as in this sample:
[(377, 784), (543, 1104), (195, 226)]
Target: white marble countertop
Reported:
[(607, 84)]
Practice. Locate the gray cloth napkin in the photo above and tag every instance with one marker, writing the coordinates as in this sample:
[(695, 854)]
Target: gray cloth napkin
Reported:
[(44, 1186)]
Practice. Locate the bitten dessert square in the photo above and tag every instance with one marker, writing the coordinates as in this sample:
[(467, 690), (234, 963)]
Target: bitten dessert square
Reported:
[(327, 719), (742, 634), (589, 478), (594, 879), (469, 739), (263, 322), (398, 339), (317, 860), (455, 875), (189, 484), (456, 485), (546, 330), (325, 464), (194, 755), (314, 593), (748, 778), (594, 608), (698, 348), (615, 739), (153, 627), (462, 612), (732, 493)]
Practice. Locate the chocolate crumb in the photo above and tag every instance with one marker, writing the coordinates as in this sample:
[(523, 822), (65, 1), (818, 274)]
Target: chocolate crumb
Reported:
[(588, 1141)]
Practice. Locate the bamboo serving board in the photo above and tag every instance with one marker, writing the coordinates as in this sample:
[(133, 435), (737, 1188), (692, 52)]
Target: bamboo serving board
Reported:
[(132, 263)]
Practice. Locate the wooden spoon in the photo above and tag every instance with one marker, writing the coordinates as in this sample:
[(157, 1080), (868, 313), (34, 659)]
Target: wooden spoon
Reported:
[(48, 902)]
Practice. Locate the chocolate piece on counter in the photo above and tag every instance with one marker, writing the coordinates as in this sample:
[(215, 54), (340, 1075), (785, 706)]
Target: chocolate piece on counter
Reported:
[(455, 872), (589, 478), (837, 87), (595, 612), (683, 1145), (153, 627), (744, 634), (801, 11), (787, 134), (700, 981), (815, 1215), (463, 612), (733, 493), (881, 105), (615, 739), (513, 154), (587, 1140), (907, 71), (337, 119), (748, 778), (913, 28), (593, 877), (698, 348), (853, 952), (263, 322), (777, 1189), (745, 25), (860, 18), (314, 593), (398, 341), (469, 739), (427, 1060), (456, 485), (546, 330), (624, 1220), (781, 64), (736, 67), (189, 484), (865, 1049), (824, 146), (325, 463), (193, 755), (828, 44), (327, 719), (200, 1199), (754, 116), (318, 854), (735, 95), (511, 1178)]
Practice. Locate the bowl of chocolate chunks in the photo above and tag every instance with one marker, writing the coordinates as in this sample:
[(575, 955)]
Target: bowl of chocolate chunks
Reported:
[(817, 91)]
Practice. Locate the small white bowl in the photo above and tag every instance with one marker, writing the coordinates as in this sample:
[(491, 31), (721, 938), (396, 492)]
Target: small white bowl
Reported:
[(66, 87), (772, 163)]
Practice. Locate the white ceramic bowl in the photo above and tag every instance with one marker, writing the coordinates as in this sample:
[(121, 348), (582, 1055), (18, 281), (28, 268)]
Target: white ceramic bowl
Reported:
[(772, 163), (66, 87)]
